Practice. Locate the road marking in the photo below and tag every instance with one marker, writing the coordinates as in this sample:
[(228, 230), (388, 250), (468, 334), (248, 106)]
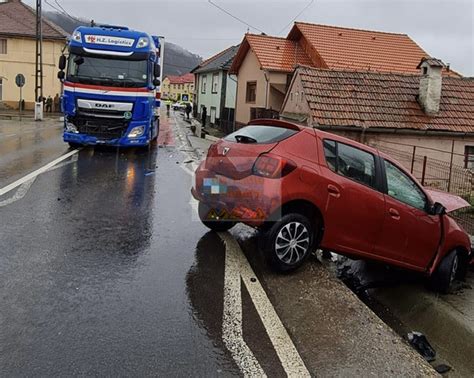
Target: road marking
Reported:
[(236, 264), (36, 173), (20, 193)]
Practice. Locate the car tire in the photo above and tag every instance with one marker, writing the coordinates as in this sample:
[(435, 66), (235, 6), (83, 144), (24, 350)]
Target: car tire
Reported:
[(209, 219), (447, 271), (289, 242)]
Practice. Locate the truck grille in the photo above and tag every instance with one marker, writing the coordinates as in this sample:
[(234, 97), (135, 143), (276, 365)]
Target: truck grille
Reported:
[(104, 128)]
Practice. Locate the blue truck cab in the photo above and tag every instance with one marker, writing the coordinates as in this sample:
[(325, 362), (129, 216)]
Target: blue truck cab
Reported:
[(111, 79)]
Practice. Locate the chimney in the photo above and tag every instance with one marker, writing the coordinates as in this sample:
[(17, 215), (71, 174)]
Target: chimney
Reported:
[(429, 95)]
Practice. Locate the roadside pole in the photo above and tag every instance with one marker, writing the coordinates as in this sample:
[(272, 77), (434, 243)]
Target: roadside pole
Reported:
[(20, 83)]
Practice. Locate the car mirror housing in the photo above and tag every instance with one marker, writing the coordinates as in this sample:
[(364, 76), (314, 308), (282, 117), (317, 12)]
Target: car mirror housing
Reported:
[(156, 82), (438, 209), (61, 75), (157, 70)]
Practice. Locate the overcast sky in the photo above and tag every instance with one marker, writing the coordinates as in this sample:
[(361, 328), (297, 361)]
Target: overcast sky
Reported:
[(443, 28)]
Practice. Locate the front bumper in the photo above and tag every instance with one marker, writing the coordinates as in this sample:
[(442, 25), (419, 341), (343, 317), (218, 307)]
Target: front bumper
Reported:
[(88, 140)]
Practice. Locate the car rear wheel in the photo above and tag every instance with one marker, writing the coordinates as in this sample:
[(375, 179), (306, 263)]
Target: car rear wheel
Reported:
[(289, 242), (211, 219), (447, 271)]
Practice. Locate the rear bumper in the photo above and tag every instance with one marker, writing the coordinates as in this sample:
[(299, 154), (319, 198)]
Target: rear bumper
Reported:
[(88, 140), (251, 200)]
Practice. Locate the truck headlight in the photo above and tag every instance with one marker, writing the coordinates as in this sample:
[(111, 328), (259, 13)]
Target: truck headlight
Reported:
[(136, 132), (76, 36), (143, 42), (71, 128)]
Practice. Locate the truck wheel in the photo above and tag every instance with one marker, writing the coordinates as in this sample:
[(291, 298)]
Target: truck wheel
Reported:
[(74, 145), (444, 276), (210, 220), (289, 242)]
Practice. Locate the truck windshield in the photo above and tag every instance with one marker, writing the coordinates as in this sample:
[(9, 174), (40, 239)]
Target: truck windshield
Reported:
[(113, 72)]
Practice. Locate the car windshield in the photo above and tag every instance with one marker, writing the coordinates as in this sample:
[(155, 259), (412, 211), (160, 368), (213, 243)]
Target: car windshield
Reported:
[(112, 72), (260, 134)]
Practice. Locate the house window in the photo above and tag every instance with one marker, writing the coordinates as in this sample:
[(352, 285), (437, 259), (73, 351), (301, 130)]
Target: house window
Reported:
[(3, 46), (203, 84), (251, 94), (469, 157), (215, 82)]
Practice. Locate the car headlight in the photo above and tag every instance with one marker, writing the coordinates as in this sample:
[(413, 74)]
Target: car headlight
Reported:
[(71, 128), (143, 42), (136, 132)]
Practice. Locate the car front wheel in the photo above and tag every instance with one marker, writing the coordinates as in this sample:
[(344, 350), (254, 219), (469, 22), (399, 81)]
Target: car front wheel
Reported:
[(289, 242), (210, 218), (447, 271)]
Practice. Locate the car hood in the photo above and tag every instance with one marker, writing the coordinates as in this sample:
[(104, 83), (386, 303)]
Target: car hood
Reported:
[(450, 201)]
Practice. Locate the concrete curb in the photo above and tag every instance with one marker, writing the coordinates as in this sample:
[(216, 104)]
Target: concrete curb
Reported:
[(212, 138)]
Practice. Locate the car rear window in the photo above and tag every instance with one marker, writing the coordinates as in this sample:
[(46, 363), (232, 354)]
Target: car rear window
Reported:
[(260, 134)]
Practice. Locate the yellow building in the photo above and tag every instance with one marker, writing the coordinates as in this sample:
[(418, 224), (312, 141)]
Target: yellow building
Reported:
[(178, 88), (17, 53)]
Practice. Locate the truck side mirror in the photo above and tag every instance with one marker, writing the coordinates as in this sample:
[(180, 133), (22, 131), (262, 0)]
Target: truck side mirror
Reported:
[(156, 82), (157, 70), (62, 62), (61, 75)]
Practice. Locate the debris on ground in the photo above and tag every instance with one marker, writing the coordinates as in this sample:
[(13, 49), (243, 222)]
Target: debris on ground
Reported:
[(419, 341), (442, 369), (188, 161)]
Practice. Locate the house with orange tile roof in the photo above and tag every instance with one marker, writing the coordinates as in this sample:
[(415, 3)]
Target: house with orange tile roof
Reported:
[(17, 53), (428, 114), (264, 64), (216, 90), (178, 88)]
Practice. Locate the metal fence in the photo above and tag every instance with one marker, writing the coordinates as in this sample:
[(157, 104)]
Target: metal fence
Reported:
[(438, 174)]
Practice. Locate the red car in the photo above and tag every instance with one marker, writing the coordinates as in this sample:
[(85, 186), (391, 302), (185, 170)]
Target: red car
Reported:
[(306, 189)]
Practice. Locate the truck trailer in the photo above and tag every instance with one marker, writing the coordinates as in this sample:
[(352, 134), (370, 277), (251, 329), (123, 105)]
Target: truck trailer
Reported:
[(111, 77)]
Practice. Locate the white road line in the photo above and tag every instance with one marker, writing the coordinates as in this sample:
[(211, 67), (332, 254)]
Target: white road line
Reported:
[(20, 193), (36, 173), (285, 349), (232, 333)]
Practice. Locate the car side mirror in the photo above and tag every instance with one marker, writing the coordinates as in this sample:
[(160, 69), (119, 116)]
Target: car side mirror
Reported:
[(62, 62), (157, 70), (438, 209), (61, 75), (156, 82)]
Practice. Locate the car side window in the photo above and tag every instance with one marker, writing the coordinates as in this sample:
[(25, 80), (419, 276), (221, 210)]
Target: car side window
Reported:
[(350, 162), (401, 187)]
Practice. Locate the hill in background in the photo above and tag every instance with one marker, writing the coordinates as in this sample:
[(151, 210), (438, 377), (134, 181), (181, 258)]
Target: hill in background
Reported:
[(178, 60)]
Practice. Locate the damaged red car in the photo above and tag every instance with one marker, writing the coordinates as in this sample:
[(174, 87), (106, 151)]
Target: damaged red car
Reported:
[(305, 188)]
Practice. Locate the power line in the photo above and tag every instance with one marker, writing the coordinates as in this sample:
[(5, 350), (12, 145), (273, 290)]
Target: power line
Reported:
[(234, 17), (294, 18), (61, 10)]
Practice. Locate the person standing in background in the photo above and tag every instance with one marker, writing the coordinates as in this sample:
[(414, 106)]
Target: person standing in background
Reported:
[(49, 104), (56, 103), (204, 116)]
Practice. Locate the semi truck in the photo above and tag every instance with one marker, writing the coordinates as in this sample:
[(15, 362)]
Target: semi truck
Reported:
[(111, 77)]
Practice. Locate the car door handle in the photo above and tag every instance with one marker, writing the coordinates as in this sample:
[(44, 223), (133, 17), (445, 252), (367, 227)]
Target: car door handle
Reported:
[(333, 191), (394, 214)]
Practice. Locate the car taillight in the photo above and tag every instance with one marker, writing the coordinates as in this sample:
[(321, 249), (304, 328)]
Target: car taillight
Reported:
[(273, 166)]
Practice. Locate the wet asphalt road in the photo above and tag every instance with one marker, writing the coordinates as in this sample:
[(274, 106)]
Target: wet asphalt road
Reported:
[(101, 267)]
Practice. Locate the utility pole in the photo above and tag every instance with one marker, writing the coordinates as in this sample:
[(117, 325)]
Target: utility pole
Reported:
[(39, 63)]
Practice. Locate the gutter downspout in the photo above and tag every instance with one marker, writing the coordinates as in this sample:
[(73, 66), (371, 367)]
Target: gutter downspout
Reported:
[(265, 72)]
